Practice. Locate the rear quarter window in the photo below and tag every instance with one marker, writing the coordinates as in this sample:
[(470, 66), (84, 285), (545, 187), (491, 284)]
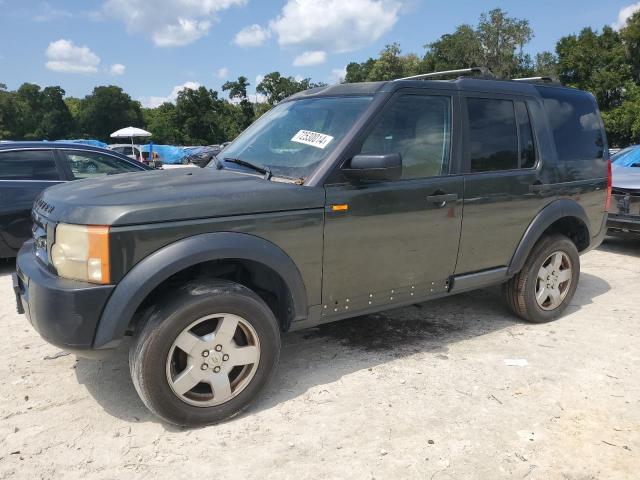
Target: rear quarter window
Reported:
[(28, 165), (575, 123)]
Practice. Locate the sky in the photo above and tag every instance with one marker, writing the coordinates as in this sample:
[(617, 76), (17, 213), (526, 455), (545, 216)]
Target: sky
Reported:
[(154, 48)]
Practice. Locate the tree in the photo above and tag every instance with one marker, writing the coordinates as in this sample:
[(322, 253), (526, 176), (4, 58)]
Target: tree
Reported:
[(238, 92), (276, 87), (461, 49), (630, 36), (359, 72), (29, 111), (56, 121), (503, 39), (391, 64), (161, 122), (108, 109), (623, 123), (596, 62), (197, 114), (8, 113)]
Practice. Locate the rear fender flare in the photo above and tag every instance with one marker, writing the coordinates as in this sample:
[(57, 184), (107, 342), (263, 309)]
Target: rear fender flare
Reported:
[(544, 219)]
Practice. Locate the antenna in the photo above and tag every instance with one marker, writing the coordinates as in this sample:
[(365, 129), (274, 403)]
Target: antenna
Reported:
[(482, 71)]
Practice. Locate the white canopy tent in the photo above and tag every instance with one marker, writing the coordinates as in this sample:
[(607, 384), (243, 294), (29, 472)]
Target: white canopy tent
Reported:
[(130, 132)]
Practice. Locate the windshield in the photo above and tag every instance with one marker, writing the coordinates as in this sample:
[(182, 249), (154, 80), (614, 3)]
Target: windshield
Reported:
[(293, 138), (629, 157)]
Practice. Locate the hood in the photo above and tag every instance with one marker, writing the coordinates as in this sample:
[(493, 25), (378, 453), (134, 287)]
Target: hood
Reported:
[(627, 178), (170, 195)]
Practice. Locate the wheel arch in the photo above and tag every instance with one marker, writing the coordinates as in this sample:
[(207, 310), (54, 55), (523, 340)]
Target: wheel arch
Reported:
[(150, 273), (562, 216)]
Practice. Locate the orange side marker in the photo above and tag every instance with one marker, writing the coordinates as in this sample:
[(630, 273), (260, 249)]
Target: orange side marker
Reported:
[(343, 207)]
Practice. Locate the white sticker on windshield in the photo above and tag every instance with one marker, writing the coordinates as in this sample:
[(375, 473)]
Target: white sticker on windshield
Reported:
[(315, 139)]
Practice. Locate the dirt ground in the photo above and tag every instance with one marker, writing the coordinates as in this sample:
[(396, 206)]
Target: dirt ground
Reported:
[(420, 392)]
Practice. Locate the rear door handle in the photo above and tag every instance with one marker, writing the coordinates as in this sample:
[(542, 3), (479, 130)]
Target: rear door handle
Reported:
[(443, 199)]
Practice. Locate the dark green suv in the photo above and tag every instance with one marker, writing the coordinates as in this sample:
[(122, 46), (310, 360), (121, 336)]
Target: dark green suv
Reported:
[(340, 201)]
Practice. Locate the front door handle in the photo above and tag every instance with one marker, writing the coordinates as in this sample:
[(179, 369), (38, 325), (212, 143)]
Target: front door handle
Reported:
[(441, 200), (537, 187)]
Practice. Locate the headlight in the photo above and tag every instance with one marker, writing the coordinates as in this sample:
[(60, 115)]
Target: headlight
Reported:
[(81, 253)]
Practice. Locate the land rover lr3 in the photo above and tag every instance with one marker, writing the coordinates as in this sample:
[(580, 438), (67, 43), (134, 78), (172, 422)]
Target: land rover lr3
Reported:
[(340, 201)]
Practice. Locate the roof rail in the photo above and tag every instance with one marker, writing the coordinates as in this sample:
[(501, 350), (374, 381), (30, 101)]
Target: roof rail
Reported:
[(482, 71), (542, 79)]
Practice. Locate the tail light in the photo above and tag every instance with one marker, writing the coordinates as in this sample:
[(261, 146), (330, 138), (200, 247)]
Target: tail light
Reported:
[(607, 202)]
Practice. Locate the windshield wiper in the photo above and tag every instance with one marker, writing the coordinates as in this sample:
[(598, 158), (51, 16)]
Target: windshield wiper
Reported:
[(263, 170)]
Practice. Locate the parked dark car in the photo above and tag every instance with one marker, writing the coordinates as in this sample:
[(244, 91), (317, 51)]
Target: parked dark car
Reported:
[(340, 201), (624, 213), (201, 156), (27, 168)]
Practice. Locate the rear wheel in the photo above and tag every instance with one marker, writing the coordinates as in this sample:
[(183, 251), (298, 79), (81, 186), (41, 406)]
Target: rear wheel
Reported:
[(544, 287), (205, 354)]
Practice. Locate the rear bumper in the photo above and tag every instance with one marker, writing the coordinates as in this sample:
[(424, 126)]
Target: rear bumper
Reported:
[(624, 224), (64, 312)]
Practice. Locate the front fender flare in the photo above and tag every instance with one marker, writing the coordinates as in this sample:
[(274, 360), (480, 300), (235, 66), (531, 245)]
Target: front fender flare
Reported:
[(146, 275), (544, 219)]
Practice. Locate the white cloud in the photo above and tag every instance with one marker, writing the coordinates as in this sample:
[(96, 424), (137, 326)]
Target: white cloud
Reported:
[(222, 73), (47, 13), (337, 75), (64, 56), (624, 14), (153, 102), (251, 36), (336, 25), (170, 23), (117, 69), (259, 79), (315, 57)]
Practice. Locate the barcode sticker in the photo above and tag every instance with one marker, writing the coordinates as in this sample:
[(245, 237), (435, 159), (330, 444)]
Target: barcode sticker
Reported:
[(315, 139)]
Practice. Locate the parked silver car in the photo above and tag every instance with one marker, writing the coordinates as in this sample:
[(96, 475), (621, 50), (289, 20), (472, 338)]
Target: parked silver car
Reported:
[(624, 211)]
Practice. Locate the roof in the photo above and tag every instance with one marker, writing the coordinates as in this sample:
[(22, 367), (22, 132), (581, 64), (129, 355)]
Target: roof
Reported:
[(461, 83), (11, 145)]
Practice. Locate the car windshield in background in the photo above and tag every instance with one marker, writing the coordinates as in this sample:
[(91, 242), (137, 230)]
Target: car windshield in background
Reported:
[(629, 157), (294, 137)]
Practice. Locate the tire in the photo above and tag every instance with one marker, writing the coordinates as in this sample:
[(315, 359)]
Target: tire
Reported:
[(156, 355), (520, 292)]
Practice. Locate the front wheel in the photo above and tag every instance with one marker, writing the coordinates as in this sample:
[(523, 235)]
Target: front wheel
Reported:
[(544, 287), (205, 354)]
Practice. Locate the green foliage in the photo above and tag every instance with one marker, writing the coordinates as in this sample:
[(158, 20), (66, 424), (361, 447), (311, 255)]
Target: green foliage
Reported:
[(502, 41), (630, 36), (106, 110), (596, 62), (161, 122), (461, 49), (238, 92), (276, 88), (623, 122)]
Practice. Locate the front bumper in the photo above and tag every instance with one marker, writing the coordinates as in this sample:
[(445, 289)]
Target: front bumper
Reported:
[(64, 312)]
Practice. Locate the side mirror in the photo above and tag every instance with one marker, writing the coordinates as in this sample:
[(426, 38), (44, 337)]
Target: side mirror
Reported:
[(387, 166)]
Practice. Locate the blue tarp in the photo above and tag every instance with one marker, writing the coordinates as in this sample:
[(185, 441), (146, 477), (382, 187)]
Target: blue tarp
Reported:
[(628, 157), (93, 143), (169, 153)]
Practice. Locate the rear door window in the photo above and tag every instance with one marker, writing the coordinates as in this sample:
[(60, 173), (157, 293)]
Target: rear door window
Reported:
[(28, 165), (493, 135), (85, 164), (575, 123)]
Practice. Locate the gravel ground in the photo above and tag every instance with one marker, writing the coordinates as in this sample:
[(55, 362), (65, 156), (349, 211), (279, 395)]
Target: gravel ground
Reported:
[(419, 392)]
